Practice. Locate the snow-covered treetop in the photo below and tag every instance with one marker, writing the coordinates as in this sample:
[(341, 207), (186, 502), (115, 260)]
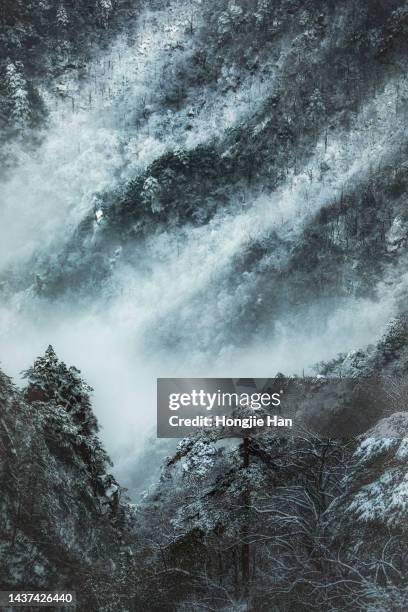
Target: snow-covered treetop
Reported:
[(50, 379)]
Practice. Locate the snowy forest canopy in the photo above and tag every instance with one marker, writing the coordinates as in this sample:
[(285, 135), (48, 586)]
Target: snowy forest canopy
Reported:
[(212, 187)]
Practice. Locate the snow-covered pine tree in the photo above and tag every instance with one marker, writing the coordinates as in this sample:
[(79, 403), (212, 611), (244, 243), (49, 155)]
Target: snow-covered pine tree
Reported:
[(17, 94), (105, 8), (62, 16), (56, 528), (71, 421), (50, 379)]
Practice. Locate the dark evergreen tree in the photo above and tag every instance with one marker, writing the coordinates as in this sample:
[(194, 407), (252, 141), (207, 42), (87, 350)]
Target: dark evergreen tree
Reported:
[(49, 379), (71, 424), (62, 517)]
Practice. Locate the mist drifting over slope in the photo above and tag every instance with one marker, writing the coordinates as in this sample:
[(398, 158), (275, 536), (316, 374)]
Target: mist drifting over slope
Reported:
[(186, 297)]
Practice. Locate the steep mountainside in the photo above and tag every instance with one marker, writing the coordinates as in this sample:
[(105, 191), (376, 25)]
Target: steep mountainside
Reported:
[(40, 42), (215, 187), (263, 144), (62, 519)]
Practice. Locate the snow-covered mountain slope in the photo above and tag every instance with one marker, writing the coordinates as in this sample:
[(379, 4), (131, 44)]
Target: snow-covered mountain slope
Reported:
[(192, 188), (221, 183)]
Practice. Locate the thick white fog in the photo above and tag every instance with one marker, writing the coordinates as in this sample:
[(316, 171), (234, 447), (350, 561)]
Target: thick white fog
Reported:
[(90, 145)]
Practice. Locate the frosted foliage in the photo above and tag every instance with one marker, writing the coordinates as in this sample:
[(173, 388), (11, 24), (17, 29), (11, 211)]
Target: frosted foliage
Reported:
[(62, 16), (106, 7), (396, 234), (205, 516), (17, 87), (385, 500), (151, 188), (381, 470), (200, 459)]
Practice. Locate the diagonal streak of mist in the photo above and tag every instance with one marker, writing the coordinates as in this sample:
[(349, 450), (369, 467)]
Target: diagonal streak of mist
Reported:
[(101, 134)]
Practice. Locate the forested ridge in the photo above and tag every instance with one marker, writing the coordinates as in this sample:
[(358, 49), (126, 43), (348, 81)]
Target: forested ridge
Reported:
[(289, 101), (261, 523), (39, 42), (223, 185)]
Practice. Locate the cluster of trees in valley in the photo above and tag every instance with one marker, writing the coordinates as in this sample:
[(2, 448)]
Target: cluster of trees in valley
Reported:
[(257, 523)]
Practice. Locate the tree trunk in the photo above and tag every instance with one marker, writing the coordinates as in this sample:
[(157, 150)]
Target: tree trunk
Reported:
[(245, 552)]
